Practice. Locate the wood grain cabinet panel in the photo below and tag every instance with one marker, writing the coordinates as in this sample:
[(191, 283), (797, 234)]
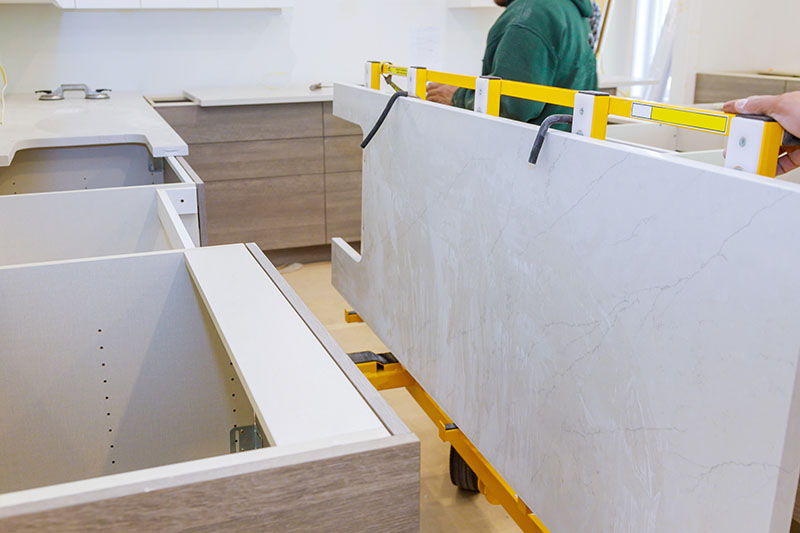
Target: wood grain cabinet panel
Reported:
[(343, 154), (712, 88), (257, 159), (343, 205), (273, 212), (197, 124), (335, 126), (281, 175), (315, 491)]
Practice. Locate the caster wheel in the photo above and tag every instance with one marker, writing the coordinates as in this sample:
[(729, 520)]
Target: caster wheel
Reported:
[(461, 475)]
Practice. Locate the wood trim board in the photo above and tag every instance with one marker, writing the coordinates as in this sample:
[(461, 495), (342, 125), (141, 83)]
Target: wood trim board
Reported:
[(336, 488)]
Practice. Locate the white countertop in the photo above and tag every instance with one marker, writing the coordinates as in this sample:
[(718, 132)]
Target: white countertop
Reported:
[(74, 121), (262, 94), (257, 94)]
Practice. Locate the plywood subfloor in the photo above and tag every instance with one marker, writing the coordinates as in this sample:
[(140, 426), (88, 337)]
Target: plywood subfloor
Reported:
[(442, 506)]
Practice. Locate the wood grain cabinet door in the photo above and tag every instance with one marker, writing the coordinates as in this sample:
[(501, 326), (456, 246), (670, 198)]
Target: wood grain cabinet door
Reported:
[(343, 154), (275, 213), (280, 175), (335, 126), (197, 124), (343, 205), (257, 159), (713, 88), (343, 158)]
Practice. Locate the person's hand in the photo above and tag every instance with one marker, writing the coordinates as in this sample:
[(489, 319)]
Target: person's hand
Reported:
[(441, 94), (784, 108)]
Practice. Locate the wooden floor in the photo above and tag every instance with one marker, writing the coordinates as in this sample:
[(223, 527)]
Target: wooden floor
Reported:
[(443, 507)]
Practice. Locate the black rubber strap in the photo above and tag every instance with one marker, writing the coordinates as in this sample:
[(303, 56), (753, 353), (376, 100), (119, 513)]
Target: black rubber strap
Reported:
[(539, 142), (385, 358), (788, 138), (383, 116)]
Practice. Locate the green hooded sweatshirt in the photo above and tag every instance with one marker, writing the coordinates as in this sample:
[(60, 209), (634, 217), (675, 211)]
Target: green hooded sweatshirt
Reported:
[(538, 41)]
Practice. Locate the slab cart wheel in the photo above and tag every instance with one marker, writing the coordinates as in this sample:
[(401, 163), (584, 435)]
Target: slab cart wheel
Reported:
[(461, 475)]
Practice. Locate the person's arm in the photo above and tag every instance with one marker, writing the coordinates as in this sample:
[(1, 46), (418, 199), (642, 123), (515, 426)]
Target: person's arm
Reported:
[(464, 98), (521, 55), (784, 108)]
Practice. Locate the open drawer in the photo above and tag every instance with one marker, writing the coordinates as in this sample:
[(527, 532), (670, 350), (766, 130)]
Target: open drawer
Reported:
[(133, 383)]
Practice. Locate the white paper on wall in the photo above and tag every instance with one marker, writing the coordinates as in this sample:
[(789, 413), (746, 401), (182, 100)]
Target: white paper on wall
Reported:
[(425, 44)]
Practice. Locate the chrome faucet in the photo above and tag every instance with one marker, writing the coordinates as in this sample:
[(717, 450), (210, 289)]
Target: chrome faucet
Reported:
[(58, 94)]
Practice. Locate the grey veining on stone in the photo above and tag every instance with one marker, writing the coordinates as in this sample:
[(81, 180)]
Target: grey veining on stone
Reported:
[(615, 330)]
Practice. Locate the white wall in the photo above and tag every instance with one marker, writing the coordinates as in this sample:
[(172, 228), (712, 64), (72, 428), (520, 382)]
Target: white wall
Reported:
[(749, 35), (725, 35), (616, 51), (166, 52), (326, 40), (713, 35)]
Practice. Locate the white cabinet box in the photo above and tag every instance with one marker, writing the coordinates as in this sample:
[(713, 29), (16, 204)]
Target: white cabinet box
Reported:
[(122, 184), (151, 385), (70, 203), (678, 142), (129, 380)]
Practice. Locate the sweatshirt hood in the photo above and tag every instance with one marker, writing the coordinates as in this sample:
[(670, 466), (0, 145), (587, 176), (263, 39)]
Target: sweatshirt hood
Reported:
[(584, 7)]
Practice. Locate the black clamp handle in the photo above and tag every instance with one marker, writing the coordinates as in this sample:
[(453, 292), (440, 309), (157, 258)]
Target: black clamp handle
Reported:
[(539, 141), (383, 116)]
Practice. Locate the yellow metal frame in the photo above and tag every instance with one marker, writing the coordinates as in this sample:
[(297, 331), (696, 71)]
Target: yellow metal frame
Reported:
[(351, 317), (490, 482), (422, 83), (495, 90), (683, 117), (538, 93), (770, 149), (602, 103), (375, 74)]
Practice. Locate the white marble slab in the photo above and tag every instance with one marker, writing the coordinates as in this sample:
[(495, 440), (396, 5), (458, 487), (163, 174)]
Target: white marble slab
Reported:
[(615, 330), (75, 121), (257, 95)]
